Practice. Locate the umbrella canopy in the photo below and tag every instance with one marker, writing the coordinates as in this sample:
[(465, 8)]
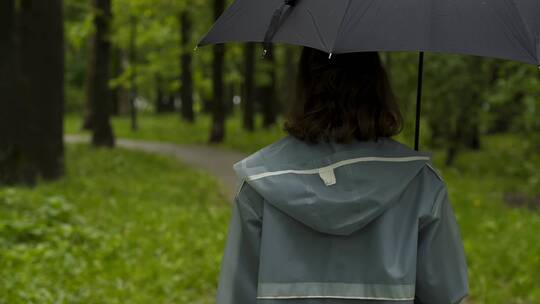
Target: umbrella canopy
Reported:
[(508, 29)]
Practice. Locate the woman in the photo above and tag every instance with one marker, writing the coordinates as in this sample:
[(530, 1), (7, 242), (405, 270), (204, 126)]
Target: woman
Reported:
[(337, 211)]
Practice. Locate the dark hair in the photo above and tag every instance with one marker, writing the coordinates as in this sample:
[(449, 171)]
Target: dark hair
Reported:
[(342, 98)]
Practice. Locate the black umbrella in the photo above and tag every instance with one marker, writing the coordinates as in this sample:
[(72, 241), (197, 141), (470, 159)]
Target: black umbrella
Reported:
[(507, 29)]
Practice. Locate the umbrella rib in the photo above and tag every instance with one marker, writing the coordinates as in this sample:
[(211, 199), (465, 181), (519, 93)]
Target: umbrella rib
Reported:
[(516, 37), (529, 33), (341, 25), (313, 20)]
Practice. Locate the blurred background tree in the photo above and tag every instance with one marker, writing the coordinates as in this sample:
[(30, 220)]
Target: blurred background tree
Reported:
[(31, 90)]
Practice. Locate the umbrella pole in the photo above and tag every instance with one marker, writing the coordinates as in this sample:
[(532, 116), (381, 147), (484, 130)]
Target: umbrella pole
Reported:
[(419, 100)]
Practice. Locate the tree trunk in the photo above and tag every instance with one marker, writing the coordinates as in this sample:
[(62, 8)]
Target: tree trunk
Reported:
[(160, 98), (437, 134), (116, 70), (451, 154), (249, 87), (133, 77), (454, 145), (101, 104), (475, 141), (229, 104), (38, 139), (89, 85), (207, 105), (123, 91), (290, 75), (269, 97), (164, 102), (217, 133), (10, 113), (470, 124), (186, 68), (171, 100)]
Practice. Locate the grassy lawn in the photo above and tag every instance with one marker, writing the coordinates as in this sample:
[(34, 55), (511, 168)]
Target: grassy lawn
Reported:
[(169, 128), (121, 227), (501, 242)]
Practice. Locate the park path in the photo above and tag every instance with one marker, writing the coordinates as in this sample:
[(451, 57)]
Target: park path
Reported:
[(218, 162)]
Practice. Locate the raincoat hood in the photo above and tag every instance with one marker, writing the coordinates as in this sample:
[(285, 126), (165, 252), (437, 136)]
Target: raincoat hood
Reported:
[(333, 188)]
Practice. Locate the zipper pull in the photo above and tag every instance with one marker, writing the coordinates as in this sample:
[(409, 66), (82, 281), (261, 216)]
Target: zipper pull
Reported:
[(327, 175)]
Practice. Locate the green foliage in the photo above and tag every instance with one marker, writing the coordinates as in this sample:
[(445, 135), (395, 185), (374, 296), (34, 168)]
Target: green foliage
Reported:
[(515, 101), (151, 30), (122, 227), (467, 95), (505, 157), (78, 27)]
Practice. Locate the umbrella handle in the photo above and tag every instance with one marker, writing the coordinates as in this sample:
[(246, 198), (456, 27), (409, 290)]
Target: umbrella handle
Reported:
[(419, 100)]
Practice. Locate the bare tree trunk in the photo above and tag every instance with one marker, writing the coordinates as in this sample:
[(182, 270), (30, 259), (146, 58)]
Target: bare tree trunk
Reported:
[(123, 91), (116, 70), (161, 106), (41, 92), (249, 87), (217, 133), (133, 77), (101, 104), (229, 98), (10, 101), (164, 102), (269, 97), (89, 85), (186, 92), (290, 74)]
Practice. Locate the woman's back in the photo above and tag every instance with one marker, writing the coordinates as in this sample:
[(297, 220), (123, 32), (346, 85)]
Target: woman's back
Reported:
[(338, 212), (364, 221)]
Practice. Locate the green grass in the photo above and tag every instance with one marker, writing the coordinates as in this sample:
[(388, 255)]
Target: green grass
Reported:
[(501, 243), (170, 128), (121, 227)]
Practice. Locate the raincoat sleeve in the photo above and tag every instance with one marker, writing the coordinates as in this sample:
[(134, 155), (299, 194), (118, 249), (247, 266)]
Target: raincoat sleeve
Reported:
[(441, 265), (239, 267)]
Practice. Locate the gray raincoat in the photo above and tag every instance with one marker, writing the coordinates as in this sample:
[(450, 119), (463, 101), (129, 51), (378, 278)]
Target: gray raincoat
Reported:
[(366, 222)]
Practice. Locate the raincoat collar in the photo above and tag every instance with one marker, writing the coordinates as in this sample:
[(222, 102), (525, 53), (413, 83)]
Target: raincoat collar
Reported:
[(333, 188)]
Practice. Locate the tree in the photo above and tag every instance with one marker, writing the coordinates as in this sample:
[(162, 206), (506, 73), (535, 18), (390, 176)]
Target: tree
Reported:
[(248, 97), (269, 98), (89, 84), (514, 102), (116, 70), (186, 92), (101, 104), (454, 107), (32, 77), (217, 133), (133, 24), (164, 102), (9, 101), (288, 75)]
